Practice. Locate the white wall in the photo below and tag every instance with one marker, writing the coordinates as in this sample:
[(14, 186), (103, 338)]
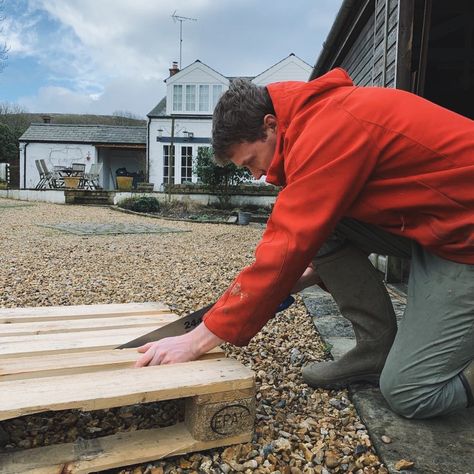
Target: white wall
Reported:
[(45, 195), (291, 68), (196, 73), (60, 154)]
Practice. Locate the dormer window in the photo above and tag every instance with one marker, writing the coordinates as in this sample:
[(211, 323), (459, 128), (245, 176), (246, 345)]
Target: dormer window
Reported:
[(196, 97)]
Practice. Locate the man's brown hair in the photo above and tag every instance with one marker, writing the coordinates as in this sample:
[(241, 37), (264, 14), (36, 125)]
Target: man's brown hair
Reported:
[(238, 117)]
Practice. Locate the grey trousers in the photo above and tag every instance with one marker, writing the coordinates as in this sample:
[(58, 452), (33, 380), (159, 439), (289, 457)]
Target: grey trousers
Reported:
[(435, 339)]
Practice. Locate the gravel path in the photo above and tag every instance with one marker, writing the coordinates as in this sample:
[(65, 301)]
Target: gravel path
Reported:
[(298, 429)]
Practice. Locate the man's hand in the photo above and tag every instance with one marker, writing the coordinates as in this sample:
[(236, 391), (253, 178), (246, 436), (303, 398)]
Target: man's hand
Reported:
[(172, 350), (309, 278)]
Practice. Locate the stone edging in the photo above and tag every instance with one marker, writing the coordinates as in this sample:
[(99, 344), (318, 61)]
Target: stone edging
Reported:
[(152, 216)]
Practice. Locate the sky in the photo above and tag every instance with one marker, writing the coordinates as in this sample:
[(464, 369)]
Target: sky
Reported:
[(103, 56)]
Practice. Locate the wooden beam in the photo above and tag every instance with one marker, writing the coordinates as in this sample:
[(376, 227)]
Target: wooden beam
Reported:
[(75, 363), (107, 389), (77, 325), (15, 346), (51, 313), (121, 449), (405, 45)]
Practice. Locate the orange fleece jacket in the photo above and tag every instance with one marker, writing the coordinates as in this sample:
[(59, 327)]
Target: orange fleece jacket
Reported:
[(382, 156)]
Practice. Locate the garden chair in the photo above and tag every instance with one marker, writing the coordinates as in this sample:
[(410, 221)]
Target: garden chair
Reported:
[(50, 177), (78, 170), (91, 178), (42, 182)]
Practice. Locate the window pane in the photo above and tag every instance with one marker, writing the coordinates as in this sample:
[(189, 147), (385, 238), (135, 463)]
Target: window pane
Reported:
[(203, 98), (177, 98), (216, 94), (186, 163), (190, 98), (166, 160)]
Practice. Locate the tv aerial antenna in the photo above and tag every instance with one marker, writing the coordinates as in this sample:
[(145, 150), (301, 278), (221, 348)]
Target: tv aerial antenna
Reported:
[(181, 19)]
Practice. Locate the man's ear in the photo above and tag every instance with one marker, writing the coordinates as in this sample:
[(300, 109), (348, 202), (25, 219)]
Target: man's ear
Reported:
[(270, 122)]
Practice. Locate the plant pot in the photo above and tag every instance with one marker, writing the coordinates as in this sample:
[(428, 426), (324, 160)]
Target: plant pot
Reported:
[(243, 218), (71, 182), (124, 183)]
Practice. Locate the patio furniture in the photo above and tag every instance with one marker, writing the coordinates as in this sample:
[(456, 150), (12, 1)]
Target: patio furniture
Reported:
[(51, 177), (78, 171), (42, 182), (91, 178)]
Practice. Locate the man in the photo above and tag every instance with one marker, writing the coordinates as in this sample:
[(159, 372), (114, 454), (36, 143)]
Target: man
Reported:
[(363, 170)]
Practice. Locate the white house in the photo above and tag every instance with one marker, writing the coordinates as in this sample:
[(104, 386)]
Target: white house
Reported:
[(183, 118), (113, 147)]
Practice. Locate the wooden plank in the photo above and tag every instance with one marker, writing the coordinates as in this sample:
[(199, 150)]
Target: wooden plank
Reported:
[(51, 313), (107, 389), (16, 346), (83, 457), (84, 324), (75, 363)]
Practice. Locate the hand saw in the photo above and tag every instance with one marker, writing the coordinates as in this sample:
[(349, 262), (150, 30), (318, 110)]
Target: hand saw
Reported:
[(183, 325)]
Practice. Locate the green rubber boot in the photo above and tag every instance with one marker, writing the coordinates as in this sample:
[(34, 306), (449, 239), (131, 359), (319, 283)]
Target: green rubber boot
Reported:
[(467, 379), (360, 293)]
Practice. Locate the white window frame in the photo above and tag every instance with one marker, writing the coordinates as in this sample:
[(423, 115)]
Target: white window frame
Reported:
[(203, 102), (166, 162), (190, 101), (186, 164), (217, 91), (177, 98)]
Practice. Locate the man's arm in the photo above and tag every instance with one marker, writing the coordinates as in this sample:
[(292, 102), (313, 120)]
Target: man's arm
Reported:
[(183, 348)]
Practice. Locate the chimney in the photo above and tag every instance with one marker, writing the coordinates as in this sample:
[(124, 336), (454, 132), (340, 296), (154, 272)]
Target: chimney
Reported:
[(46, 118), (174, 68)]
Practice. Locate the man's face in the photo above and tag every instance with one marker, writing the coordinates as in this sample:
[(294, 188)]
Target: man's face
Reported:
[(256, 156)]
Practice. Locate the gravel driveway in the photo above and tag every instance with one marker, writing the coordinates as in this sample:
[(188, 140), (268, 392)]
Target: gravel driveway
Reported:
[(298, 429)]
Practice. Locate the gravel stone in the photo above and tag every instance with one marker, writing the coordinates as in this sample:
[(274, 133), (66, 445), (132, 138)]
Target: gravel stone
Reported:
[(41, 266)]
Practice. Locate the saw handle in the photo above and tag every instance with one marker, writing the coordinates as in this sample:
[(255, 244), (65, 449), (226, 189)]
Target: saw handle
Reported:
[(285, 304)]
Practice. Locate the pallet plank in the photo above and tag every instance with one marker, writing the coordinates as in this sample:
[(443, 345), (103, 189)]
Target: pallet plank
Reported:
[(84, 324), (107, 389), (16, 346), (51, 313), (75, 363), (110, 452)]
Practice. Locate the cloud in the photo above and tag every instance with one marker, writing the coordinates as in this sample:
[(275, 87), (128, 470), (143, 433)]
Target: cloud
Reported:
[(117, 95), (114, 54)]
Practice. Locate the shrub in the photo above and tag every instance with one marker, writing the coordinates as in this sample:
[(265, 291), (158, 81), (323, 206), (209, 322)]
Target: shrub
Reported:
[(140, 204)]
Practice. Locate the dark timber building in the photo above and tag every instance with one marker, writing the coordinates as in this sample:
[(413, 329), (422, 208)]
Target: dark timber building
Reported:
[(422, 46)]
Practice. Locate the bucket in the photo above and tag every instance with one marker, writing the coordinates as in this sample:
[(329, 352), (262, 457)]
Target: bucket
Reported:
[(124, 183), (244, 218)]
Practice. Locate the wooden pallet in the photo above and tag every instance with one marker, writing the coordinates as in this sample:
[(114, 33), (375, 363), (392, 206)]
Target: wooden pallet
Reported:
[(63, 358)]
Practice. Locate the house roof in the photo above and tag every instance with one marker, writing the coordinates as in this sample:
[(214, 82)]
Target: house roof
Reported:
[(63, 133), (279, 62), (159, 110), (346, 16)]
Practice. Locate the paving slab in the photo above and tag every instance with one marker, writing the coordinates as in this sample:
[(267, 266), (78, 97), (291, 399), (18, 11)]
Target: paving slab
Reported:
[(443, 445), (93, 228)]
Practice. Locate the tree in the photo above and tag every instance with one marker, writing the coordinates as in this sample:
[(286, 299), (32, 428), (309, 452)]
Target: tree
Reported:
[(16, 117), (219, 179), (8, 148), (124, 117)]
